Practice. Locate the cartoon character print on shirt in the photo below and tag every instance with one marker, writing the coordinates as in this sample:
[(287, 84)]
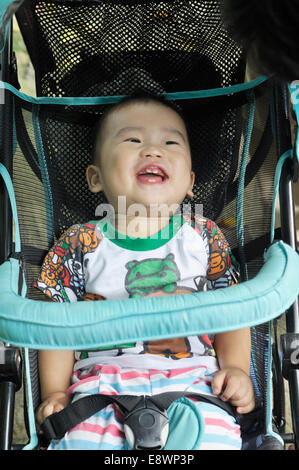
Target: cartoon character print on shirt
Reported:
[(153, 277), (220, 262), (62, 270), (207, 342), (157, 277), (219, 259), (174, 348)]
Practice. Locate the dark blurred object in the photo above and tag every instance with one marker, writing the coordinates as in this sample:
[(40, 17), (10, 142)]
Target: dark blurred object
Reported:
[(268, 31)]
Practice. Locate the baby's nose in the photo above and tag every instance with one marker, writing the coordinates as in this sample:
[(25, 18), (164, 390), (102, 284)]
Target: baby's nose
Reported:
[(152, 151)]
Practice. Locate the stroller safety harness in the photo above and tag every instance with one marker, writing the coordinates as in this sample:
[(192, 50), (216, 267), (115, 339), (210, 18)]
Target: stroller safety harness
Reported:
[(146, 422)]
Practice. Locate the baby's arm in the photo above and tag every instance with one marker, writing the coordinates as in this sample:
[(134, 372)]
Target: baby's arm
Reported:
[(55, 370), (232, 381)]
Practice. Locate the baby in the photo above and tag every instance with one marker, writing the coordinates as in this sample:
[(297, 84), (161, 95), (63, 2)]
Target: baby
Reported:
[(142, 154)]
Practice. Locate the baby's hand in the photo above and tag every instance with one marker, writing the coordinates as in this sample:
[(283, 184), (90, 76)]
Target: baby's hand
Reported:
[(52, 404), (234, 385)]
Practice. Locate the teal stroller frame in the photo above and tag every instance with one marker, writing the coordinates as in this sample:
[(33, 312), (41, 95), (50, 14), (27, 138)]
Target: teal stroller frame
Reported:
[(69, 99)]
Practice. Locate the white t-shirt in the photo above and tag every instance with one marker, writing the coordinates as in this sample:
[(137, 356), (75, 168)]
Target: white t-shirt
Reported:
[(93, 261)]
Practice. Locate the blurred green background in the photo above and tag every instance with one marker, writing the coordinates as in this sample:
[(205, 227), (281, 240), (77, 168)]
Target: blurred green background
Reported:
[(25, 68)]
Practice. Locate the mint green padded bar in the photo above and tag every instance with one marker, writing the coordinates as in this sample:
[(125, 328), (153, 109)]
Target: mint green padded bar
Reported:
[(83, 325)]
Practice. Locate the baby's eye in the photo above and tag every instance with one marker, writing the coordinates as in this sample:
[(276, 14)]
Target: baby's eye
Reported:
[(133, 139), (171, 142)]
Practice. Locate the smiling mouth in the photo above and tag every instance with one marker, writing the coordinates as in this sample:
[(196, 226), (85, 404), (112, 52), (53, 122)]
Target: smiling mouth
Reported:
[(151, 174)]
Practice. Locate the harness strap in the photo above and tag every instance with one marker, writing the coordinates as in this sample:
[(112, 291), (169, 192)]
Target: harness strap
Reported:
[(56, 425)]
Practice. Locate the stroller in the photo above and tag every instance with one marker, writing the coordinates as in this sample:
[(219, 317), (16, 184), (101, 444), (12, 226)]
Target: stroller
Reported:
[(87, 54)]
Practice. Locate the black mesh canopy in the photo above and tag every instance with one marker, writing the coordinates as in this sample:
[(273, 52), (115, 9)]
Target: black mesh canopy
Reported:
[(96, 48)]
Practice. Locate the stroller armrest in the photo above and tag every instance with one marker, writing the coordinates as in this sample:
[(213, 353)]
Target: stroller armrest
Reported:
[(85, 325)]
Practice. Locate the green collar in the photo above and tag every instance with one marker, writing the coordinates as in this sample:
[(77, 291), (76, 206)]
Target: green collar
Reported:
[(141, 244)]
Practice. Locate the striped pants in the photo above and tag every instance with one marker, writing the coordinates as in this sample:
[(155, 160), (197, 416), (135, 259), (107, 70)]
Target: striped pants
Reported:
[(194, 425)]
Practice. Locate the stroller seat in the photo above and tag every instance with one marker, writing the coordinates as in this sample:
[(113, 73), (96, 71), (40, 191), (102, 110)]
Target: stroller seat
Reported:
[(89, 55)]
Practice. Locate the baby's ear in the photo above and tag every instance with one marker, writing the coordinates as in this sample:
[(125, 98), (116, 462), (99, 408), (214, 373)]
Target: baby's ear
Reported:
[(93, 176), (190, 193)]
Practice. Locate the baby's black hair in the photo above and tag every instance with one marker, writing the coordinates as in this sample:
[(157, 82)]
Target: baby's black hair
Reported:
[(268, 30), (138, 96)]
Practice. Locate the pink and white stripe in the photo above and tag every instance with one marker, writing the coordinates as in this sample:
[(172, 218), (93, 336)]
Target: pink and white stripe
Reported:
[(105, 429)]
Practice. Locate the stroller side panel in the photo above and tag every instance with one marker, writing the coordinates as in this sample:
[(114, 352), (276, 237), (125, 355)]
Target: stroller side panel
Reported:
[(289, 176)]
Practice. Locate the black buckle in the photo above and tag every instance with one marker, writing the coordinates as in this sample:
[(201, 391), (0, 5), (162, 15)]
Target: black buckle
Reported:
[(146, 427), (290, 352)]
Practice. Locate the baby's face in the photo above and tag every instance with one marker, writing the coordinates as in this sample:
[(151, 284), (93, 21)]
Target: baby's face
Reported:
[(144, 156)]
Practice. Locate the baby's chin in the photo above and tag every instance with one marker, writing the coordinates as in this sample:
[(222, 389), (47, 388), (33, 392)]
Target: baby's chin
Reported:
[(146, 205), (158, 207), (158, 198), (147, 213)]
